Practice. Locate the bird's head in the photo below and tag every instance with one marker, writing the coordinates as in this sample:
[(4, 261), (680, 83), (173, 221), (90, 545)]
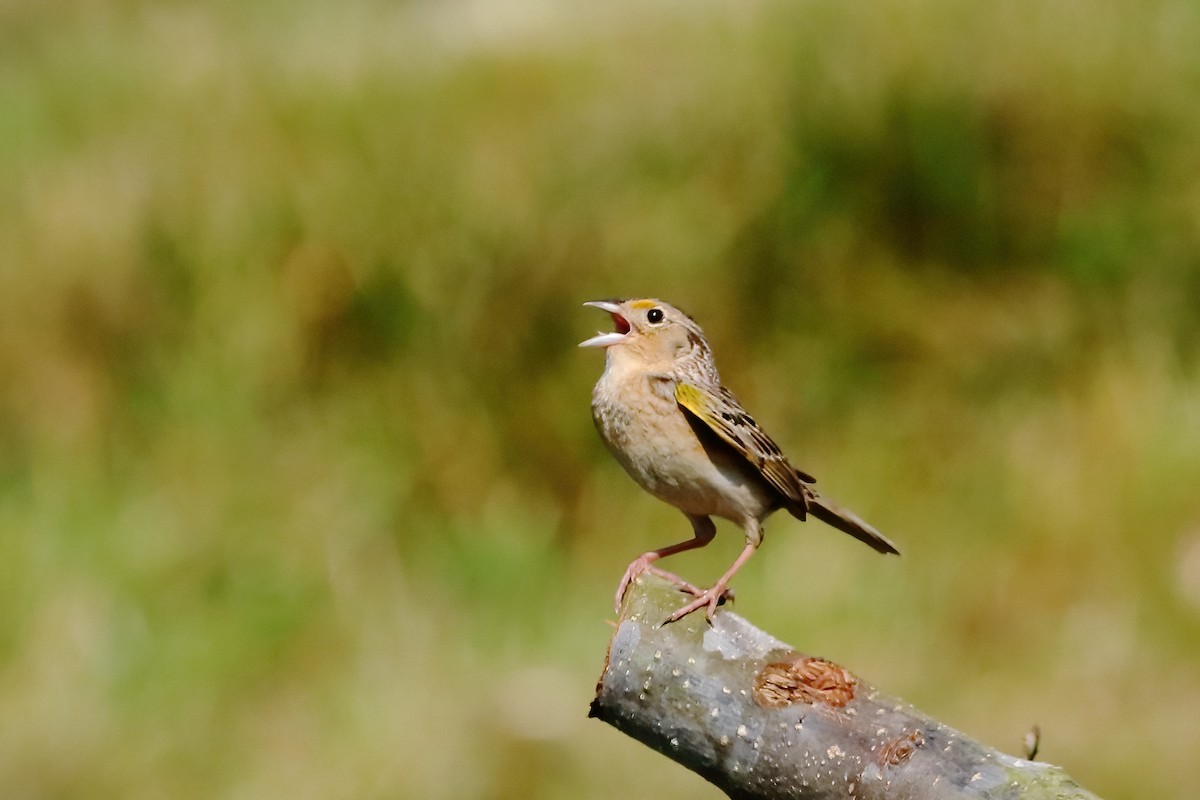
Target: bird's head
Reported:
[(648, 330)]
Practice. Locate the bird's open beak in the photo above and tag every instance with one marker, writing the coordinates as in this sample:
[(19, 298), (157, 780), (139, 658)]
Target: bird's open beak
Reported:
[(608, 339)]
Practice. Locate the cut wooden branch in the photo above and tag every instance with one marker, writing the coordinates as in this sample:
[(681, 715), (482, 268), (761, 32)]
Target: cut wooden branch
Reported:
[(760, 720)]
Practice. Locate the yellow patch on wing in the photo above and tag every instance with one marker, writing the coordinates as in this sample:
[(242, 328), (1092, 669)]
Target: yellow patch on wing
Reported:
[(725, 417), (693, 400)]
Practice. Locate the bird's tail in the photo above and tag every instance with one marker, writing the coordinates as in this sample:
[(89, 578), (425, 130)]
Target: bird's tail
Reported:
[(847, 521)]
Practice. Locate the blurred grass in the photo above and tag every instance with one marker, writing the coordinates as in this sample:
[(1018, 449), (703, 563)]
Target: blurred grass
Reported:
[(298, 490)]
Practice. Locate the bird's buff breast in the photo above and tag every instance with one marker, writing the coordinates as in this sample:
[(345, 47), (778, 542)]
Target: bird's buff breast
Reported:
[(650, 435)]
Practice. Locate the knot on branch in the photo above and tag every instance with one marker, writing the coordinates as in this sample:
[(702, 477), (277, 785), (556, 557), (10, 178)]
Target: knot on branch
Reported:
[(899, 750), (804, 679)]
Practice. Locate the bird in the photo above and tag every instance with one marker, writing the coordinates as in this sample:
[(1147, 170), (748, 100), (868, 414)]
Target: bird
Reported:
[(662, 411)]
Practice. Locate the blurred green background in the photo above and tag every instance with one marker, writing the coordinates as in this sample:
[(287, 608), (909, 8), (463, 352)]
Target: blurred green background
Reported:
[(299, 491)]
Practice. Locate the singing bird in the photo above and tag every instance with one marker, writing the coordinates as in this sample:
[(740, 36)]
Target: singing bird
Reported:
[(662, 411)]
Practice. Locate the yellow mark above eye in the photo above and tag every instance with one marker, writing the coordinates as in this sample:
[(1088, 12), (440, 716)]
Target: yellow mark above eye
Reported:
[(640, 304)]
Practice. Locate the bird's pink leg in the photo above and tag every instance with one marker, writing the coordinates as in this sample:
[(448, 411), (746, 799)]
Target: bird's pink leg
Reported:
[(704, 529), (712, 597), (643, 564)]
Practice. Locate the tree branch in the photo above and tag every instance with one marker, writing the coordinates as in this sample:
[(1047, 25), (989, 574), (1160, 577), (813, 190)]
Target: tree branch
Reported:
[(760, 720)]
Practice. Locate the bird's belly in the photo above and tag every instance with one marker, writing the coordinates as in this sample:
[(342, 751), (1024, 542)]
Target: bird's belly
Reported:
[(659, 448)]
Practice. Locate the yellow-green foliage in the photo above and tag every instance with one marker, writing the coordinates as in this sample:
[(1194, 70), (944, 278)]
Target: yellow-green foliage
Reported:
[(299, 495)]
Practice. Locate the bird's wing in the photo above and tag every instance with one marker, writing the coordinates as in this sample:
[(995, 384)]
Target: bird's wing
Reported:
[(722, 413)]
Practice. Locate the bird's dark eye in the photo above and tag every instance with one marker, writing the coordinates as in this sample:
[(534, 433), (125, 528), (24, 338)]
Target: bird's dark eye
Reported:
[(654, 315)]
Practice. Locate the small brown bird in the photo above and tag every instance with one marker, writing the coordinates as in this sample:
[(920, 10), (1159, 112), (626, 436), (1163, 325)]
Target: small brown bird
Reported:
[(662, 411)]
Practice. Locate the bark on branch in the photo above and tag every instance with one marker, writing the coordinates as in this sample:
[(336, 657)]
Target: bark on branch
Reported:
[(760, 720)]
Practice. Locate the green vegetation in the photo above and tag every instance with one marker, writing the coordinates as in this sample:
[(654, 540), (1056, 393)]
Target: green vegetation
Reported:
[(299, 494)]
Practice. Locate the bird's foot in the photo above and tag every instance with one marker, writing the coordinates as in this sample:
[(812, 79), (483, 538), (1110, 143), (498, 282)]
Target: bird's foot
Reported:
[(643, 563), (708, 599)]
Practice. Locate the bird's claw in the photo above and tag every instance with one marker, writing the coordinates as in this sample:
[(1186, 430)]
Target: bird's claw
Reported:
[(643, 564), (708, 599)]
